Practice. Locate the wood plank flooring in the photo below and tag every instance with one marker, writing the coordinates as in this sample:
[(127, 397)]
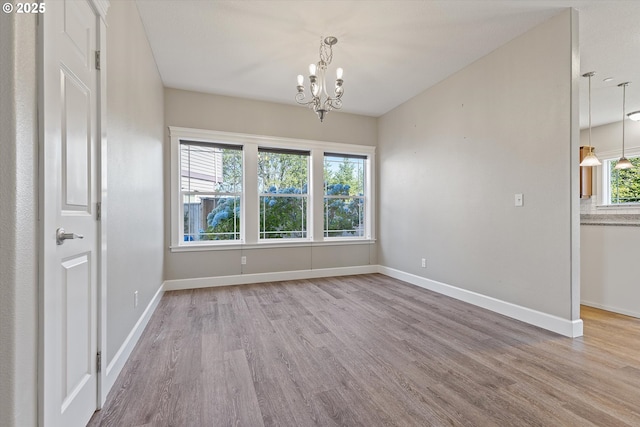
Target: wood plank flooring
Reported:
[(369, 351)]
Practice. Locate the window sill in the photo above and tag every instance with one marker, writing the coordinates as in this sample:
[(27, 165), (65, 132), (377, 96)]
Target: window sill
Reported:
[(270, 245)]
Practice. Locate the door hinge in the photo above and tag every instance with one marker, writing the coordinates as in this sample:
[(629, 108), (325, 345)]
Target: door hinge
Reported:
[(97, 59), (99, 362), (99, 211)]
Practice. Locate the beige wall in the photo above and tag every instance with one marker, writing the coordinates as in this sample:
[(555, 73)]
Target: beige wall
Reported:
[(18, 221), (135, 190), (220, 113), (608, 137), (452, 158), (228, 114)]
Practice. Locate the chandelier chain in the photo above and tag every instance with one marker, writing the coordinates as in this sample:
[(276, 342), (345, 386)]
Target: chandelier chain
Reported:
[(326, 53)]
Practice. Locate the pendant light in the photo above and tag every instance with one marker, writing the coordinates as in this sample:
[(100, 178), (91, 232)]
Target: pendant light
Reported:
[(590, 159), (623, 163)]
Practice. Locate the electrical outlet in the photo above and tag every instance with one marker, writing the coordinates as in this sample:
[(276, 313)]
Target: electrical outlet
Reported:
[(135, 299), (424, 263), (243, 260)]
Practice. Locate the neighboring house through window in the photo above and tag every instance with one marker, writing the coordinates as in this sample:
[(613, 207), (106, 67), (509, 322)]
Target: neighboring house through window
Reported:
[(211, 188)]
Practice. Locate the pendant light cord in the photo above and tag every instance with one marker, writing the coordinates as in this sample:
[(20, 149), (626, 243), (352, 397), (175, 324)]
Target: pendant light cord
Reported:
[(624, 91), (590, 114)]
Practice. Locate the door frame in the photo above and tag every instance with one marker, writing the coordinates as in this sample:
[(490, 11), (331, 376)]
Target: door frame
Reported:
[(100, 8)]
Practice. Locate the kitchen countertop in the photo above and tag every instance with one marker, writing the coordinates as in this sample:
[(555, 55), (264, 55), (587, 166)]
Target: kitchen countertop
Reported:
[(632, 220)]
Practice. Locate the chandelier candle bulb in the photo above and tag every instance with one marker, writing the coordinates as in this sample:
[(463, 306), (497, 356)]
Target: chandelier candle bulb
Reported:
[(300, 80), (339, 72), (312, 69)]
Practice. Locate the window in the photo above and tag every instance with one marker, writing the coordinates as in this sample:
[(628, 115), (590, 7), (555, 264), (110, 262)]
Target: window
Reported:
[(283, 177), (344, 195), (211, 189), (621, 186), (233, 191)]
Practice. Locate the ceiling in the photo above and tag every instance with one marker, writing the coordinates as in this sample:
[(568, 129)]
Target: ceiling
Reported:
[(390, 50)]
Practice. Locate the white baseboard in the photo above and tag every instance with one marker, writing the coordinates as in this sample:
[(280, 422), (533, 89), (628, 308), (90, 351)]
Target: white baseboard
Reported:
[(613, 309), (244, 279), (533, 317), (118, 360), (552, 323)]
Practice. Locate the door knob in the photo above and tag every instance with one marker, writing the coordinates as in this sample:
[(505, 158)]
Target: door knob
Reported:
[(61, 236)]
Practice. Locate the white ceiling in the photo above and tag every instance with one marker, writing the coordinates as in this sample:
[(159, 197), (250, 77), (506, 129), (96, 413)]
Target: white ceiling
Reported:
[(390, 50)]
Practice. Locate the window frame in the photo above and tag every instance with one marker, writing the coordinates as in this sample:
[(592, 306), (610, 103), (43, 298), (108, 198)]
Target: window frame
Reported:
[(250, 199), (190, 193), (306, 196), (605, 175), (364, 198)]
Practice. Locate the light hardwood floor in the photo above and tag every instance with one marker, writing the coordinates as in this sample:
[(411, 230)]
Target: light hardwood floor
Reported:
[(368, 351)]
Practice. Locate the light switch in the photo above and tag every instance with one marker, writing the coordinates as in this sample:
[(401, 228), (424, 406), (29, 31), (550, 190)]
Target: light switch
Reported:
[(519, 200)]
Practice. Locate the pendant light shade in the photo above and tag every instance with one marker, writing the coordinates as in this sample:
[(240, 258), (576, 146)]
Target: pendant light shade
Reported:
[(590, 159), (634, 115), (623, 162)]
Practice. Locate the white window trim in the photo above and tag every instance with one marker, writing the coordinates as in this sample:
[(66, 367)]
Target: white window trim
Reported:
[(307, 196), (367, 170), (602, 178), (250, 211)]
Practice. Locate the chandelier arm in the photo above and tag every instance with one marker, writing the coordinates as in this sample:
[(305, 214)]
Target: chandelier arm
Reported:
[(301, 99), (334, 103), (313, 104)]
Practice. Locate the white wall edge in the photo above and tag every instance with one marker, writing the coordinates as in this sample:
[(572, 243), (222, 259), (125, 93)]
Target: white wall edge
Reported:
[(118, 361), (611, 308), (245, 279), (546, 321)]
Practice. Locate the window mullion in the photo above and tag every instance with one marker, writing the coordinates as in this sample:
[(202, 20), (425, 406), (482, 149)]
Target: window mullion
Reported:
[(316, 196), (370, 191), (250, 222)]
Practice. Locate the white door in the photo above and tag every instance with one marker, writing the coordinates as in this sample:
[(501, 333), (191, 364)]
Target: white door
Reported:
[(68, 167)]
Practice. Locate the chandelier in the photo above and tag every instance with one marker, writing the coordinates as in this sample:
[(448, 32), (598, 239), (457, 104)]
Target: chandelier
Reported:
[(321, 101)]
